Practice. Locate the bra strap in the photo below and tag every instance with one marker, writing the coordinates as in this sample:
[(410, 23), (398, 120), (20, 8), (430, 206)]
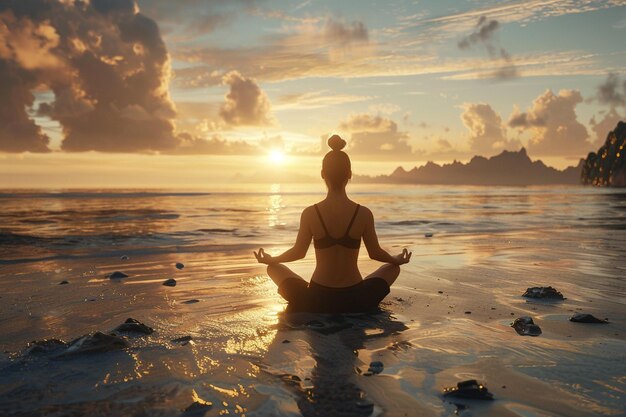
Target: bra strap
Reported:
[(353, 218), (321, 220)]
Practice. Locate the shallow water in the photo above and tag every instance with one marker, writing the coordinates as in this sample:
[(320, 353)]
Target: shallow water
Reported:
[(488, 245)]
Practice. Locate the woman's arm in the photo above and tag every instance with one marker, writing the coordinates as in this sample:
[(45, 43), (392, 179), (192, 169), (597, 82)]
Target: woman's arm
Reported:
[(373, 247), (299, 249)]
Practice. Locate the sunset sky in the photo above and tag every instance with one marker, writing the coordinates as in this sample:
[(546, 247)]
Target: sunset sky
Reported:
[(190, 93)]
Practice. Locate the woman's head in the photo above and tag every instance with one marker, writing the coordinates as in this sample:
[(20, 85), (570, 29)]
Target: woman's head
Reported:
[(336, 167)]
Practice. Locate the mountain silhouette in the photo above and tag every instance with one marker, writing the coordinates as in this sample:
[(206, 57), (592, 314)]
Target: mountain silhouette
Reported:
[(507, 168), (607, 167)]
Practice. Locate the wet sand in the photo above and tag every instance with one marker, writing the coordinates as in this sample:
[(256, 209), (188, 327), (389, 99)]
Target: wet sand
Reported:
[(447, 319)]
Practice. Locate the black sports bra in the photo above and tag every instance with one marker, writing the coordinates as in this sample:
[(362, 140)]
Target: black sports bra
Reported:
[(345, 241)]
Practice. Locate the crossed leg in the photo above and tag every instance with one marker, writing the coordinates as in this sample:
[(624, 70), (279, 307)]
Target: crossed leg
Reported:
[(388, 272), (279, 273)]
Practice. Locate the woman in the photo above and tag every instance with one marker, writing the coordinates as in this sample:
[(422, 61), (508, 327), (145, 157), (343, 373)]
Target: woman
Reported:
[(336, 225)]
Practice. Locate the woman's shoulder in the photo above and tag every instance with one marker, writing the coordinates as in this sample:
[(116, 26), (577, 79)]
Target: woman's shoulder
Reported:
[(363, 209)]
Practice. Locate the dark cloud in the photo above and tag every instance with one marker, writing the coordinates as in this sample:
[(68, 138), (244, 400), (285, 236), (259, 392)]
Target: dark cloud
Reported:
[(106, 64), (18, 132), (484, 34), (246, 103), (375, 135), (613, 91), (340, 32)]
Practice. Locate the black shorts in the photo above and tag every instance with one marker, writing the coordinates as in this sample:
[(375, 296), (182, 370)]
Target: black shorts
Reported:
[(316, 298)]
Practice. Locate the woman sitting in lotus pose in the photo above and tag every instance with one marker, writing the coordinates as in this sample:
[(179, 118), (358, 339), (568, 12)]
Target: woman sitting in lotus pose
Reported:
[(336, 225)]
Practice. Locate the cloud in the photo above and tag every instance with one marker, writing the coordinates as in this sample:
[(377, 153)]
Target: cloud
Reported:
[(107, 66), (613, 91), (317, 99), (484, 34), (487, 132), (602, 128), (554, 125), (342, 33), (375, 135), (444, 143), (216, 145), (246, 104)]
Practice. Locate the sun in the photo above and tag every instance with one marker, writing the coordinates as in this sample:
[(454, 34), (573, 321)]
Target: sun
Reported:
[(276, 156)]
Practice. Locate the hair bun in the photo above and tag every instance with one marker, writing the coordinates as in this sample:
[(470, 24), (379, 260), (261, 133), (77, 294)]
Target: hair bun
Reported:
[(336, 143)]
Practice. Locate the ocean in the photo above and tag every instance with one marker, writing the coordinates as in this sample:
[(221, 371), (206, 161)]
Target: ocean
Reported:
[(475, 251)]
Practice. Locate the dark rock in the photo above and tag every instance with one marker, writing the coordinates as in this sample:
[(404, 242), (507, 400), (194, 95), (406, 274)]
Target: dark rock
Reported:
[(428, 235), (586, 318), (543, 292), (507, 168), (525, 326), (440, 292), (376, 367), (44, 346), (197, 409), (133, 326), (170, 282), (124, 258), (469, 389), (193, 301), (64, 282), (179, 265), (607, 167), (182, 340), (468, 312), (94, 343), (286, 341), (117, 275)]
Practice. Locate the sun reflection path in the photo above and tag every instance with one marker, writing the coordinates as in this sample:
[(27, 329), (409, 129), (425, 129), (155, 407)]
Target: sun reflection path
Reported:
[(274, 206)]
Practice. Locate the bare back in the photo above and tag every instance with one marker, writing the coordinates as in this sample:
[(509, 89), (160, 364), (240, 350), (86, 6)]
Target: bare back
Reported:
[(336, 265)]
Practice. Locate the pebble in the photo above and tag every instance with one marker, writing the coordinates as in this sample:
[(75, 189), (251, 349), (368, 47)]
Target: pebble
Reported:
[(124, 257), (524, 326), (190, 301), (197, 409), (468, 312), (440, 292), (543, 292), (428, 235), (469, 389), (170, 282), (375, 367), (44, 346), (97, 342), (133, 326), (286, 341), (64, 282), (179, 265), (183, 340), (587, 318), (117, 275)]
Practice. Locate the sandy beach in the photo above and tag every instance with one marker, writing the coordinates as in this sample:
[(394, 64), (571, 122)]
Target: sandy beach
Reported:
[(446, 320)]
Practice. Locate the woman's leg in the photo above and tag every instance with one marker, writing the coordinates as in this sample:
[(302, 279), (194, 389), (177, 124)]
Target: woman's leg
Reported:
[(388, 272), (279, 273)]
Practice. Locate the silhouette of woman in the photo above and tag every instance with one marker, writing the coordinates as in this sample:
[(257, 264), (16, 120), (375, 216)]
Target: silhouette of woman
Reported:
[(336, 285)]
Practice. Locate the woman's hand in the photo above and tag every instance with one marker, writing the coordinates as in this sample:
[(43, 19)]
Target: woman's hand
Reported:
[(264, 258), (403, 258)]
